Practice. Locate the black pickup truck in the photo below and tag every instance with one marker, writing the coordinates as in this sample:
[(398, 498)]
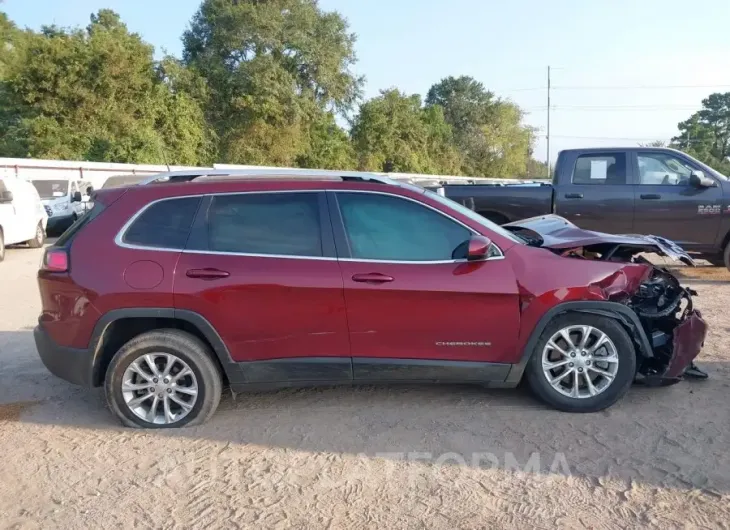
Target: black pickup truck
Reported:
[(657, 191)]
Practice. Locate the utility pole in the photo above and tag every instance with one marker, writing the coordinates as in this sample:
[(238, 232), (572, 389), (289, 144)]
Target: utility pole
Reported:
[(548, 121)]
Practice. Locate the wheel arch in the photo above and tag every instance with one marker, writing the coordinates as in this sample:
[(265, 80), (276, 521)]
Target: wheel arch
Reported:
[(118, 326), (623, 314)]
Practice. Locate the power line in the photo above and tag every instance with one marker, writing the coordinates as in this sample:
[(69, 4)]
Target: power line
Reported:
[(610, 87), (613, 138), (638, 108)]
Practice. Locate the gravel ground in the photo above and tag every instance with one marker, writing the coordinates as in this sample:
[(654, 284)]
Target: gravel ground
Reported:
[(368, 457)]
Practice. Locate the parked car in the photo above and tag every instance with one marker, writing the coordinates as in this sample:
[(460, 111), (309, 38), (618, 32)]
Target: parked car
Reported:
[(65, 200), (164, 293), (622, 191), (22, 217)]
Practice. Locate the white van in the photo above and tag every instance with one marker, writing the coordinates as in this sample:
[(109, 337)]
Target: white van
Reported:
[(65, 200), (22, 216)]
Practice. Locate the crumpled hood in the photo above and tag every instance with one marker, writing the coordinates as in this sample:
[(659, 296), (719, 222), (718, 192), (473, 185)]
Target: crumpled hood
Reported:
[(556, 232)]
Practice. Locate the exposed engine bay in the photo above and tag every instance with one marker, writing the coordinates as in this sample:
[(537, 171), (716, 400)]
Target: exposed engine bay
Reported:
[(671, 329)]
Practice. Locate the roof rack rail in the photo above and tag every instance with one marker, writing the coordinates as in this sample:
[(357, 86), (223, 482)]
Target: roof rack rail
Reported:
[(191, 175)]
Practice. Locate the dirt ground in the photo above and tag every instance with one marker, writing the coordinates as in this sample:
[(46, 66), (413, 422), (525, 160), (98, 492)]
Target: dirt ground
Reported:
[(368, 457)]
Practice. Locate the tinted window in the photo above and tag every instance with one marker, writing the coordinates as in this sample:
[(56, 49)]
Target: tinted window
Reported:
[(604, 168), (388, 228), (284, 224), (165, 224)]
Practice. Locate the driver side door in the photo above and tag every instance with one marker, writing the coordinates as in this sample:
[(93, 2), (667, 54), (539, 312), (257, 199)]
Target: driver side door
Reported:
[(667, 205), (414, 312)]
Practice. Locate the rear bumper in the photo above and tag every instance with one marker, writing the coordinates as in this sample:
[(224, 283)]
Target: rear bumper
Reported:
[(73, 365)]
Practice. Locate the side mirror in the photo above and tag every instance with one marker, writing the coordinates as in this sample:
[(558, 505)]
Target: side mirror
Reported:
[(478, 249), (6, 197), (699, 180), (76, 197)]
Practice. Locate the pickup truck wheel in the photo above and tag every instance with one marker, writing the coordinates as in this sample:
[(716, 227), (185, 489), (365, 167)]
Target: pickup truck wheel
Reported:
[(726, 256), (40, 237), (163, 379), (582, 363)]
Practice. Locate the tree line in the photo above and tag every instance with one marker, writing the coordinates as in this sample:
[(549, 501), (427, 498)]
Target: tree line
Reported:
[(265, 83)]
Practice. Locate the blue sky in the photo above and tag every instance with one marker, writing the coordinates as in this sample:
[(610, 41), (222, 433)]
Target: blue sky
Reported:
[(410, 44)]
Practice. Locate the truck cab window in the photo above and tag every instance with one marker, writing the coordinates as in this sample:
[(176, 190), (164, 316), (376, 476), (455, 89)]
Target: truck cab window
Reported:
[(602, 168), (663, 169)]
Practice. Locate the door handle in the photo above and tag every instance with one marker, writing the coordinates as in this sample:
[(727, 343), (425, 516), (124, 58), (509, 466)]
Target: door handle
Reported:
[(207, 274), (372, 277), (650, 196), (573, 195)]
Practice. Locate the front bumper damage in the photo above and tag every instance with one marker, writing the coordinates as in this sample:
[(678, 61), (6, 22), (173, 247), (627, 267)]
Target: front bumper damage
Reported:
[(674, 332)]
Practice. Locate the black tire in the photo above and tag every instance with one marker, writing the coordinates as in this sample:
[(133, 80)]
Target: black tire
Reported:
[(726, 256), (617, 388), (184, 346), (40, 237), (2, 245)]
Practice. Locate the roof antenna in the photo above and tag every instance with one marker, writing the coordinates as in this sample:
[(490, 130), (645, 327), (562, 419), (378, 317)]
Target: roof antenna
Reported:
[(164, 158)]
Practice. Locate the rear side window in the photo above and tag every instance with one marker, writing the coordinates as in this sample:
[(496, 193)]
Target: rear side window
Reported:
[(286, 224), (164, 224), (603, 168)]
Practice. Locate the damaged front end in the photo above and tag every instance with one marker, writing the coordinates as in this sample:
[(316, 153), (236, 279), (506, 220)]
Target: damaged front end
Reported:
[(675, 331)]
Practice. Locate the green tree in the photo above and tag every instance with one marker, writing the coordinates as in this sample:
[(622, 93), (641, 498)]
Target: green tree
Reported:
[(394, 132), (96, 94), (488, 132), (706, 134), (272, 69), (327, 146)]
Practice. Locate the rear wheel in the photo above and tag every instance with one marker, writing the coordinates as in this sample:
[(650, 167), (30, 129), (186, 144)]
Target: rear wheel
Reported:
[(40, 237), (163, 379), (726, 256), (582, 363)]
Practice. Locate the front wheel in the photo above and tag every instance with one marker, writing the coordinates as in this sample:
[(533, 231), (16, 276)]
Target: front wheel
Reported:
[(162, 379), (582, 363), (40, 237)]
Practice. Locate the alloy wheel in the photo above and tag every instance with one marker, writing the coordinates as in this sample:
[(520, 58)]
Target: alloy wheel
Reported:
[(580, 361), (159, 388)]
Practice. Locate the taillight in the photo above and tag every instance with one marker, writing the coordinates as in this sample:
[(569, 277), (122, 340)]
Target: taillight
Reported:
[(55, 260)]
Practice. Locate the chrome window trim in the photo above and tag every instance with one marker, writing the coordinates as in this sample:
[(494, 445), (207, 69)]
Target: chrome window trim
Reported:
[(119, 239)]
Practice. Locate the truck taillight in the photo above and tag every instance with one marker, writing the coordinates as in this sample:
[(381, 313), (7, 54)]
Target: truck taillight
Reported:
[(55, 260)]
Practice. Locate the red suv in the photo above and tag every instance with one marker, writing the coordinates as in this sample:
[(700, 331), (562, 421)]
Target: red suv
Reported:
[(168, 291)]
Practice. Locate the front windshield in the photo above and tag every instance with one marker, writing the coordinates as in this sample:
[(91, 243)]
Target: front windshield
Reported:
[(471, 214), (51, 189)]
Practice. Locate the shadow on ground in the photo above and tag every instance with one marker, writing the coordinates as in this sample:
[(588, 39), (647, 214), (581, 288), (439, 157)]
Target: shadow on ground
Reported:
[(668, 437)]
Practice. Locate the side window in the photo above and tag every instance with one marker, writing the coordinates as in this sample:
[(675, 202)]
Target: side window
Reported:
[(165, 224), (600, 168), (663, 169), (74, 188), (388, 228), (286, 224)]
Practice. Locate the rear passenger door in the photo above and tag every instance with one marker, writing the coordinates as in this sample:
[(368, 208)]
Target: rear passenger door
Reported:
[(261, 268), (594, 192)]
